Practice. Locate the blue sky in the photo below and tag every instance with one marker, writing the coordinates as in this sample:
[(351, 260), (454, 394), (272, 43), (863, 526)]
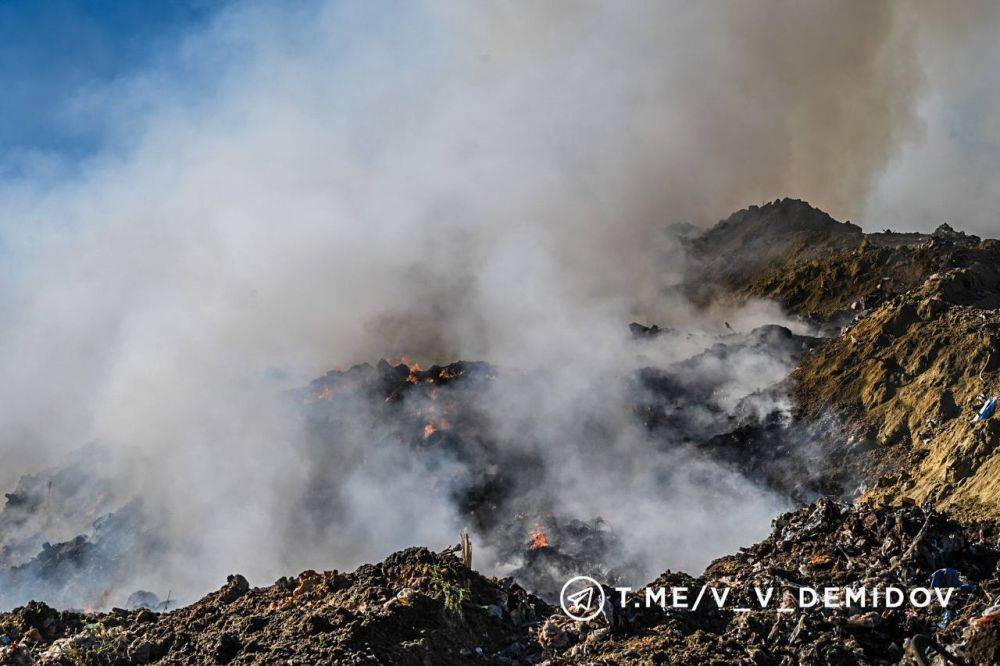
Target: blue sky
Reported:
[(53, 52), (79, 77)]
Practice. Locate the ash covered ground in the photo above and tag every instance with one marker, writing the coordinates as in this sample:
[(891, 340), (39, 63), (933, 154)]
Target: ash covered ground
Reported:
[(850, 421)]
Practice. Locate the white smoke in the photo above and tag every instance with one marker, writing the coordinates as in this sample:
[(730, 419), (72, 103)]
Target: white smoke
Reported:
[(299, 189)]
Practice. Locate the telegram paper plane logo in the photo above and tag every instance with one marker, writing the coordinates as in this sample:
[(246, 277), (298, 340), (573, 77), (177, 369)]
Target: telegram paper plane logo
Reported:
[(582, 598)]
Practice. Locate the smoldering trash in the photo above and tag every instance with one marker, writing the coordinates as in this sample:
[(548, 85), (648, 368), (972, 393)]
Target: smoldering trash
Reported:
[(860, 573), (418, 603), (499, 333)]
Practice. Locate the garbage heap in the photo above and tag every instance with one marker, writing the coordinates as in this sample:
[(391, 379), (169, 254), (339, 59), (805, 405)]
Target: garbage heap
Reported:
[(826, 544), (416, 607), (421, 607)]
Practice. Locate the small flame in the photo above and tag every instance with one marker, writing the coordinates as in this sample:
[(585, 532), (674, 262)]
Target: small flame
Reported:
[(539, 539), (328, 390), (412, 365), (409, 363), (432, 427)]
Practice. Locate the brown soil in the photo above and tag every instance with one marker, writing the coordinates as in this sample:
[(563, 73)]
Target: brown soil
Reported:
[(896, 389), (907, 380)]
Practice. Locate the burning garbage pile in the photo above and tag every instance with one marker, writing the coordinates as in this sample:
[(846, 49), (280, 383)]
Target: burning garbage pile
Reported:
[(499, 488), (53, 503), (558, 548), (66, 537), (685, 416), (441, 420), (86, 570), (711, 380), (500, 481), (418, 605)]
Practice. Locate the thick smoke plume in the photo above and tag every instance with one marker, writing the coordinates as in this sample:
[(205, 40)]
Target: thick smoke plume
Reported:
[(301, 189)]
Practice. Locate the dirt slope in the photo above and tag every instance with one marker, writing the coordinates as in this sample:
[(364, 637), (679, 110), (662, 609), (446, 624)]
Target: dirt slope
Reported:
[(907, 380), (754, 239), (814, 265), (895, 390)]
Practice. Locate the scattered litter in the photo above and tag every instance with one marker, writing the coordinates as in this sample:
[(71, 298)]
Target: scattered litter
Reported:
[(324, 616), (948, 577), (987, 411), (987, 620)]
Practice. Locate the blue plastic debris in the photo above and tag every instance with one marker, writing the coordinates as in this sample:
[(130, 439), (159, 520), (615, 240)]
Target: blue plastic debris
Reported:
[(988, 410), (948, 577)]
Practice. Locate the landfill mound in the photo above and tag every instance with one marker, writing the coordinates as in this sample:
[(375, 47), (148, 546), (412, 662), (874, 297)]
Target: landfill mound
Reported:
[(848, 282), (888, 400), (416, 607), (815, 266), (753, 239), (420, 607), (887, 418), (826, 544), (908, 380)]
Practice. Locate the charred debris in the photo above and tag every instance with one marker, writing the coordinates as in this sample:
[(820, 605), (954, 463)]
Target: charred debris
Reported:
[(420, 607)]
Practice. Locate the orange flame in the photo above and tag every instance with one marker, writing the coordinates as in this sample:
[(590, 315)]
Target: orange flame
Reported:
[(408, 362), (328, 391), (431, 428), (539, 539), (412, 365)]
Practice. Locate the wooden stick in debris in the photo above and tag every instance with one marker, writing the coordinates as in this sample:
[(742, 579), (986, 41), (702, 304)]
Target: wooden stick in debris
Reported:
[(913, 546), (466, 549), (921, 645)]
